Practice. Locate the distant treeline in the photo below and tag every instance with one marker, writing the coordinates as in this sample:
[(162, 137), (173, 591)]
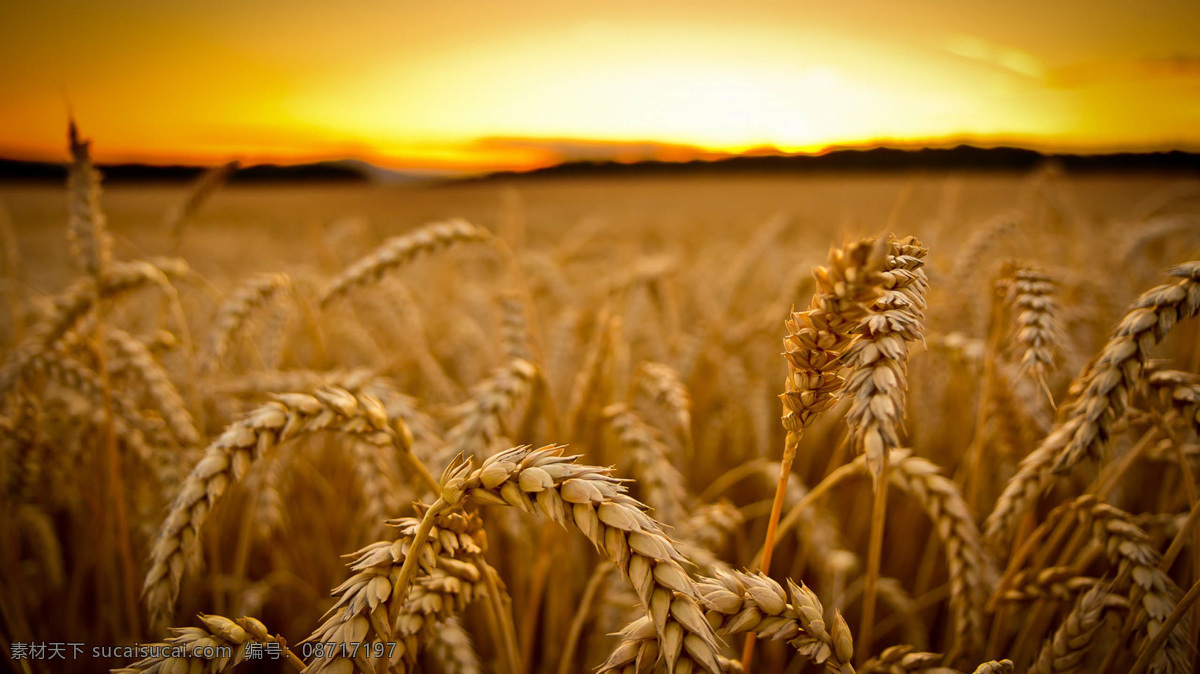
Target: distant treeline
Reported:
[(961, 158), (11, 170)]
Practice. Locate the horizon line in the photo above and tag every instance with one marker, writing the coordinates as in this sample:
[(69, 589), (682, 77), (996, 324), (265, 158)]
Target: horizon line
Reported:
[(585, 151)]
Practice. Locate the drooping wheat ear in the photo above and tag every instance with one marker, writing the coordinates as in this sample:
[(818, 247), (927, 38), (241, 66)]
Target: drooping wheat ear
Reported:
[(514, 328), (648, 460), (374, 465), (38, 547), (712, 525), (743, 602), (596, 503), (902, 659), (398, 251), (77, 301), (228, 458), (661, 384), (1059, 583), (90, 241), (481, 420), (21, 452), (447, 583), (971, 575), (75, 376), (1153, 590), (817, 337), (1036, 333), (235, 312), (204, 187), (451, 649), (1085, 425), (1120, 365), (878, 358), (994, 667), (1075, 637), (200, 650), (426, 436), (1179, 391), (155, 382)]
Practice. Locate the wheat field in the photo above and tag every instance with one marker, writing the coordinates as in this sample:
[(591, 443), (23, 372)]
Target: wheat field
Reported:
[(887, 423)]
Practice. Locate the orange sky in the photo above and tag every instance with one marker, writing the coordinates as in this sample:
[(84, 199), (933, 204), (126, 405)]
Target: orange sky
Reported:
[(486, 84)]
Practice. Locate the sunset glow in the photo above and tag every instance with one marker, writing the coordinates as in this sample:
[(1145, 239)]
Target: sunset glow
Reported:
[(480, 85)]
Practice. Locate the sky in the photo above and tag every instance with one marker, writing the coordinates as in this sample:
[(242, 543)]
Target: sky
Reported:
[(468, 85)]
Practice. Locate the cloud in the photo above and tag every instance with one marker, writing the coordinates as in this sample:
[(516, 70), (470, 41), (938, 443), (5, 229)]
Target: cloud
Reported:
[(1001, 56)]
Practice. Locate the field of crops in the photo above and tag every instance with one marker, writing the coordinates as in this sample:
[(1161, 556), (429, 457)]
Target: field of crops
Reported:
[(536, 426)]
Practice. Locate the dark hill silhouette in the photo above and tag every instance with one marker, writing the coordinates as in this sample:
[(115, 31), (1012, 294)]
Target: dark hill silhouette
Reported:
[(11, 170), (960, 158)]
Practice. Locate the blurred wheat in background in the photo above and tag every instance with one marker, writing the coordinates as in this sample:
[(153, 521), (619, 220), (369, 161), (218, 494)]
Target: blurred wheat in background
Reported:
[(536, 426)]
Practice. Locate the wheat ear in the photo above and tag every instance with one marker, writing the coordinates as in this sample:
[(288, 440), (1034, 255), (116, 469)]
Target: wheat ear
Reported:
[(1036, 332), (87, 233), (400, 250), (187, 650), (649, 461), (589, 498), (204, 187), (156, 383), (76, 302), (361, 621), (1085, 426), (1152, 590), (480, 420), (230, 456), (234, 313), (1075, 637)]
